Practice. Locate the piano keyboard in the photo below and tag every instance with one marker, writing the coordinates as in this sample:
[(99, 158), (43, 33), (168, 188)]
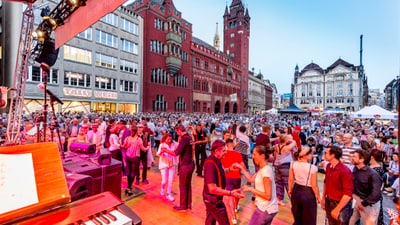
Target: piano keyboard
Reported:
[(100, 209), (114, 217)]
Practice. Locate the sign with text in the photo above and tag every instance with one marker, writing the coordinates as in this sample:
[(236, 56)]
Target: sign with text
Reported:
[(77, 92), (105, 94)]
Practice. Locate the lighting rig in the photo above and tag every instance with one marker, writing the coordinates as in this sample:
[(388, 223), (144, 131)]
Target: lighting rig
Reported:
[(43, 46)]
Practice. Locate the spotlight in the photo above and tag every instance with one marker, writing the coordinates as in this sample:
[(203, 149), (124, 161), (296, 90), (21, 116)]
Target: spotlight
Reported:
[(52, 22), (75, 3), (39, 35)]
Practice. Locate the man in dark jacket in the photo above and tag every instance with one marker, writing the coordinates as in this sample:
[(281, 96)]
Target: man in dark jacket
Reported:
[(367, 189), (214, 186)]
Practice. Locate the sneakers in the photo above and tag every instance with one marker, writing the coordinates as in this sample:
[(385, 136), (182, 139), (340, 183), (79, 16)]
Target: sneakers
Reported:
[(237, 209), (145, 181), (234, 221), (137, 182), (281, 203), (170, 198)]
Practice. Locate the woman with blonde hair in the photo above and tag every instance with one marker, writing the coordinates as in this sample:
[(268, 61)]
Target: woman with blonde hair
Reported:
[(303, 188), (167, 165)]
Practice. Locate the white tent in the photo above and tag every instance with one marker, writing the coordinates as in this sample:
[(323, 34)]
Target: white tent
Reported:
[(374, 112), (272, 111)]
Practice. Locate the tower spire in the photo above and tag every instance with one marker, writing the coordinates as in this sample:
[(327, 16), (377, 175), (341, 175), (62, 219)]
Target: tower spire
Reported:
[(216, 38)]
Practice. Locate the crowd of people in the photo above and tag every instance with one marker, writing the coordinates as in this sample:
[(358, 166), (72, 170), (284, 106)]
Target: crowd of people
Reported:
[(359, 159)]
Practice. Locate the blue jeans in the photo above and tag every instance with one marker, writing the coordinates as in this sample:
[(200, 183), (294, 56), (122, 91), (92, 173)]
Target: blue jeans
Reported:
[(344, 215), (281, 179), (261, 218)]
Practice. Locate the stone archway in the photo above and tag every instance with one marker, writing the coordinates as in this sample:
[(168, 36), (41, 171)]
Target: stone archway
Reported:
[(226, 108), (234, 110), (217, 107)]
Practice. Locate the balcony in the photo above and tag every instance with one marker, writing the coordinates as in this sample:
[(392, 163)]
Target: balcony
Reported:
[(174, 38), (173, 64)]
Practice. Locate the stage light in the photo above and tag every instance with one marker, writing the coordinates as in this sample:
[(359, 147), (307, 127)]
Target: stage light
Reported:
[(39, 35), (52, 22), (75, 3)]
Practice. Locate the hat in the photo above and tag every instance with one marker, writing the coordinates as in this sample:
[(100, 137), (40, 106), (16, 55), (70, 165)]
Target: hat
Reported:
[(217, 144), (297, 127), (122, 122)]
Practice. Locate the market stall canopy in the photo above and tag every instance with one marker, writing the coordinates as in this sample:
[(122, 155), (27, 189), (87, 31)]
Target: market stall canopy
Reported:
[(374, 112), (292, 109)]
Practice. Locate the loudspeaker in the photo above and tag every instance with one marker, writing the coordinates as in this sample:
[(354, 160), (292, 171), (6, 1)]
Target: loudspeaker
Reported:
[(79, 185), (104, 177), (49, 53), (104, 157), (85, 148)]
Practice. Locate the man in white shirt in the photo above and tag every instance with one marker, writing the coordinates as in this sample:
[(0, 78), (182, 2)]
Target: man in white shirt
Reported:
[(95, 136), (348, 149)]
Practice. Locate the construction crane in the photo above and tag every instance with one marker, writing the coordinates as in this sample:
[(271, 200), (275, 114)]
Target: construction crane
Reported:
[(31, 44)]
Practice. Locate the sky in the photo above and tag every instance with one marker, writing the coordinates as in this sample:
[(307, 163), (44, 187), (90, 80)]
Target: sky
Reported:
[(287, 33)]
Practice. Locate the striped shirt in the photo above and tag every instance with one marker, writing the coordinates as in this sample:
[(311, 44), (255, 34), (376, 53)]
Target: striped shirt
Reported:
[(346, 155)]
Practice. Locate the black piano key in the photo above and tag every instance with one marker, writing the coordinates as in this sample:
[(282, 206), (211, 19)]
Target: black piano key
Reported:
[(103, 218), (95, 220), (110, 216)]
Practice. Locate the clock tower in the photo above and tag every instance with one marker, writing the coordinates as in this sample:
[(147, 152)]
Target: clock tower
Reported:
[(236, 42)]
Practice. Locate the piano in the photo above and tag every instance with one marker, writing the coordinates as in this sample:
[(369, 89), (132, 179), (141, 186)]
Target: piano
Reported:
[(104, 208), (53, 205)]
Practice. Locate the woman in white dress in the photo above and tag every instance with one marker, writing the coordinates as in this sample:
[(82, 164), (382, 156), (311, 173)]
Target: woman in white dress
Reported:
[(167, 165)]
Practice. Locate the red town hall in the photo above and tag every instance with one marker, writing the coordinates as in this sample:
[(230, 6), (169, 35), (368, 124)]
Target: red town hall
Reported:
[(182, 73)]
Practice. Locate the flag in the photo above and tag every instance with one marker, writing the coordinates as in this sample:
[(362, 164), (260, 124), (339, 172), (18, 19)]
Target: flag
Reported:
[(84, 17)]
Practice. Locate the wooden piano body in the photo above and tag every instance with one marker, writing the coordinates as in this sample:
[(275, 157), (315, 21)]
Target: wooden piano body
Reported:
[(53, 195), (51, 186)]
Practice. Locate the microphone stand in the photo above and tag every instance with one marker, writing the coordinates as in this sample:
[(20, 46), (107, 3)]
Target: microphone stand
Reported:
[(57, 127), (45, 71)]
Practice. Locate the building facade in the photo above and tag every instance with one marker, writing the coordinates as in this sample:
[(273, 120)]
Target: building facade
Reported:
[(167, 71), (99, 70), (236, 43), (391, 92), (256, 90), (375, 97), (216, 79), (338, 86), (269, 94)]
